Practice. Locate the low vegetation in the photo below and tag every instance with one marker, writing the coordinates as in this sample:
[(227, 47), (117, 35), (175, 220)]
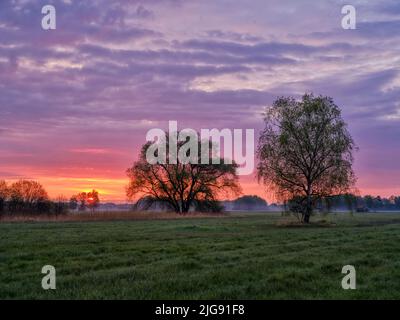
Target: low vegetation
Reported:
[(242, 256)]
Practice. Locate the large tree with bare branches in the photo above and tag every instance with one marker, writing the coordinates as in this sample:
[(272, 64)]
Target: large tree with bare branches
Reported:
[(305, 151), (182, 186), (28, 196)]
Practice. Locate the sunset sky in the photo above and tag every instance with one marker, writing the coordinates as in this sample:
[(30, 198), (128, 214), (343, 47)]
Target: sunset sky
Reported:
[(76, 102)]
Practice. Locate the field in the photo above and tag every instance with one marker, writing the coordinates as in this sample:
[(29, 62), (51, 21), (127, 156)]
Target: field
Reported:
[(240, 256)]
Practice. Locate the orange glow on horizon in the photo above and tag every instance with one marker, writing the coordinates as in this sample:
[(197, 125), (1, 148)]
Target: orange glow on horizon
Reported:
[(111, 182), (113, 189)]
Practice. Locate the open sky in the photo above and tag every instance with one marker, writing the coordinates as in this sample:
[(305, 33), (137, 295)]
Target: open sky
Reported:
[(76, 102)]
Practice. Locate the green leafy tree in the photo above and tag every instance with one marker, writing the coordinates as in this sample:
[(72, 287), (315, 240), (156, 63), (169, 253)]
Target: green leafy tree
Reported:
[(305, 151)]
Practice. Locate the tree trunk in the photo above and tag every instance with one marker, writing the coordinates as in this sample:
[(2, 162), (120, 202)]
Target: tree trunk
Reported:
[(308, 206), (307, 217)]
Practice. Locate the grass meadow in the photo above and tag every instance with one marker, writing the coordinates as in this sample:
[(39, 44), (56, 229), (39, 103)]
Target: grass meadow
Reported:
[(237, 256)]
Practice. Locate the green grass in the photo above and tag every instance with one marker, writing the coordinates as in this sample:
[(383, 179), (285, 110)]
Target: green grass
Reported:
[(245, 256)]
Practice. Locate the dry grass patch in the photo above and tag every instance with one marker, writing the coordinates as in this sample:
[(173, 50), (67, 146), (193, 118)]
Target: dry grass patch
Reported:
[(107, 216)]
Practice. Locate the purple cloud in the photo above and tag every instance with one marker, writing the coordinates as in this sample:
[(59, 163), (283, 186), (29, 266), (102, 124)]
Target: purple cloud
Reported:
[(114, 69)]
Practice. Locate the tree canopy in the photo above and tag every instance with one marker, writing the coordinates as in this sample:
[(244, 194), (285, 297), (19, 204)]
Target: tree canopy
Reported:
[(305, 151), (182, 186), (250, 202)]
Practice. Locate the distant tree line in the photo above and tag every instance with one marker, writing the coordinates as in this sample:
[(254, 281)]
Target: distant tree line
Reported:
[(30, 197), (345, 202), (349, 202), (366, 203)]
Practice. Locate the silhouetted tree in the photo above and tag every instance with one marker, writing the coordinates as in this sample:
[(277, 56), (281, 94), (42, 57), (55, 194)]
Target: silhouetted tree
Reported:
[(85, 200), (92, 200), (305, 151), (28, 196), (181, 186), (4, 193), (350, 201), (369, 201), (82, 198), (60, 205), (73, 203), (250, 203), (397, 202)]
